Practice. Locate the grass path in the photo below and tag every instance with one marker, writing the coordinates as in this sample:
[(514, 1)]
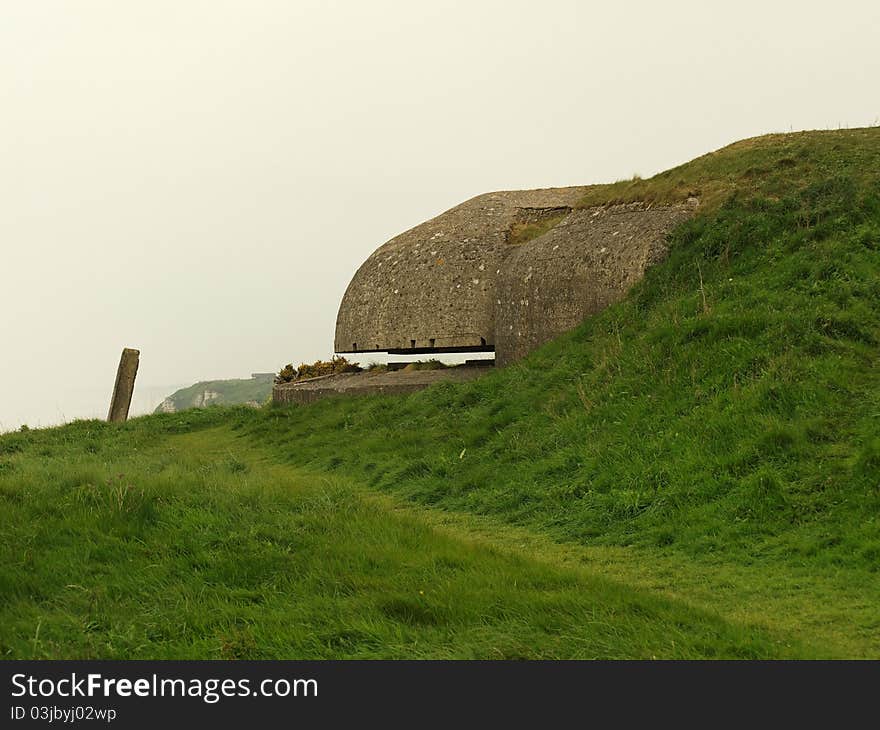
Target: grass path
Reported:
[(206, 545), (830, 607), (832, 610), (202, 546)]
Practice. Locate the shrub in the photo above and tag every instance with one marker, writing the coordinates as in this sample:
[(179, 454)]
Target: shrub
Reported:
[(426, 365), (335, 366)]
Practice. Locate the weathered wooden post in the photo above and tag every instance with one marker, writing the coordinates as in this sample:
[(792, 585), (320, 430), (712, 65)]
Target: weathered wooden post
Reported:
[(122, 391)]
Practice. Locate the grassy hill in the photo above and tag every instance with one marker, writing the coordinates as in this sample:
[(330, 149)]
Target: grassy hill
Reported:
[(238, 391), (695, 472)]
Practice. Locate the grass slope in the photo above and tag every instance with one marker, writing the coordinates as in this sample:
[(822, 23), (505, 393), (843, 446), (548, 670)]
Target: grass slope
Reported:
[(198, 546), (730, 404), (710, 445)]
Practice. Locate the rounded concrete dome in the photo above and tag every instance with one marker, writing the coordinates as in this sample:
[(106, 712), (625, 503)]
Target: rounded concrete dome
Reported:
[(433, 287)]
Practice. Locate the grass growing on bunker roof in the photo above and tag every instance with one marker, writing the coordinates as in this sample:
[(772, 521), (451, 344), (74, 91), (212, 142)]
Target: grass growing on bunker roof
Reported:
[(770, 167), (524, 232)]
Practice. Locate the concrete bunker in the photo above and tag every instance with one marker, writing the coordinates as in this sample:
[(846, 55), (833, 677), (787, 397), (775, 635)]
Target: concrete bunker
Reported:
[(502, 272)]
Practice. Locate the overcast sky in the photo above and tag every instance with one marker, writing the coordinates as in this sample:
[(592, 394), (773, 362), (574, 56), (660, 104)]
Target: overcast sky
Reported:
[(200, 180)]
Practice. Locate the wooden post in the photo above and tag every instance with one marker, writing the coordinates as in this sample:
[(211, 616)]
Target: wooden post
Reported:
[(122, 391)]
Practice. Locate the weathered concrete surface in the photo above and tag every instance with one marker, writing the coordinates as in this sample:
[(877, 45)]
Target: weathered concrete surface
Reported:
[(124, 386), (365, 383), (586, 262), (456, 280), (434, 285)]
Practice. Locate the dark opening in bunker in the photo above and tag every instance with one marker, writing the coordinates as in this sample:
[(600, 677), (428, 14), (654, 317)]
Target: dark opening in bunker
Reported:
[(412, 343), (432, 341)]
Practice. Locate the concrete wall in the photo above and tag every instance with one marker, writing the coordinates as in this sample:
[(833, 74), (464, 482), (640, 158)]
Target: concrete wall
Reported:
[(367, 383), (434, 285), (286, 396), (589, 260)]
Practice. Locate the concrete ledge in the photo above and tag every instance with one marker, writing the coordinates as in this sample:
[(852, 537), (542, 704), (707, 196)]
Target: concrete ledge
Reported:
[(391, 383)]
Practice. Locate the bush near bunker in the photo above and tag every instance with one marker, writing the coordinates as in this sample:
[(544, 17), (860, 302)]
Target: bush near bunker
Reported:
[(335, 366)]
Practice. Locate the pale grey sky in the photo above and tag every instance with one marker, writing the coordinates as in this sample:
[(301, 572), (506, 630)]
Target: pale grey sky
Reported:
[(201, 179)]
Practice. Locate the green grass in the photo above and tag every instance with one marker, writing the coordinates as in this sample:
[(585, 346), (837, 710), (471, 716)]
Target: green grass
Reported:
[(771, 166), (432, 364), (698, 464), (521, 233), (198, 546)]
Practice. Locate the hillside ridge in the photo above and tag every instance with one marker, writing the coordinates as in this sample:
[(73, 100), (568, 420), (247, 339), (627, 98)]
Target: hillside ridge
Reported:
[(253, 391)]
